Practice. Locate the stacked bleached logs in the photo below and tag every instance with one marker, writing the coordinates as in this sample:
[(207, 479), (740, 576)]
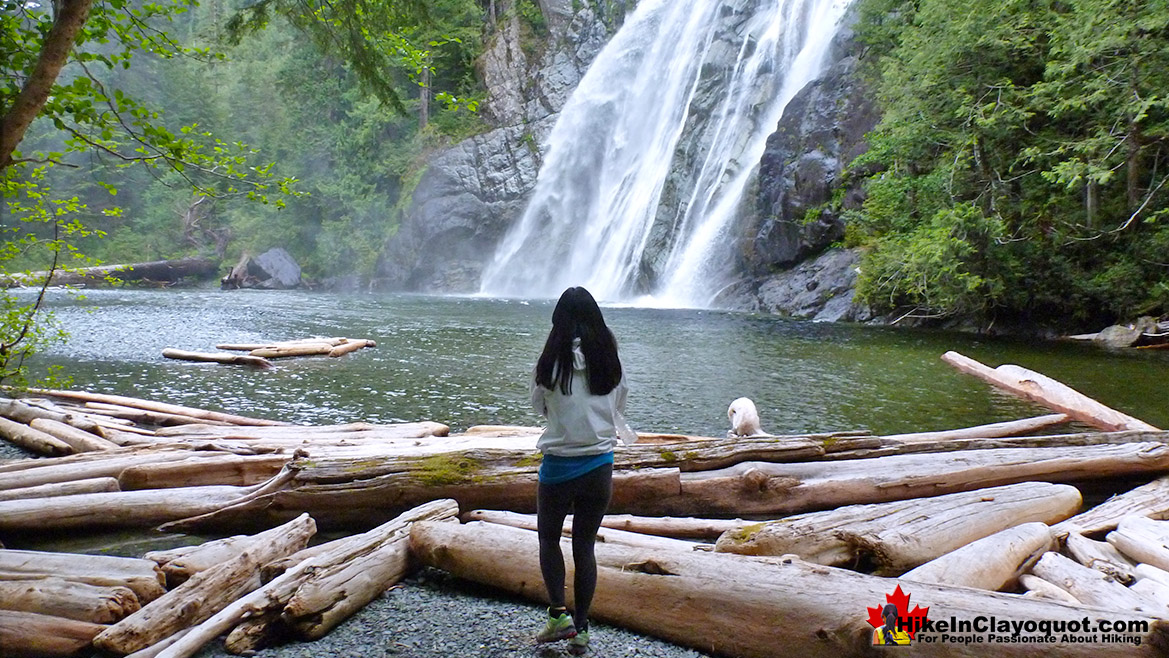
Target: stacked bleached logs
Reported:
[(802, 534), (258, 354)]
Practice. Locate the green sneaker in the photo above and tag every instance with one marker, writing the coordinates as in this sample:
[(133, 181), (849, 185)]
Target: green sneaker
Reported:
[(579, 644), (558, 628)]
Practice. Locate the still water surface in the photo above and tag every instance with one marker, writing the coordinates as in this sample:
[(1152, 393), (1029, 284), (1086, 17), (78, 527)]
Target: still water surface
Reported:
[(467, 361)]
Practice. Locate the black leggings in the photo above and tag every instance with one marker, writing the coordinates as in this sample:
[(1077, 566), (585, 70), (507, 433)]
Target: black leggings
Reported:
[(587, 497)]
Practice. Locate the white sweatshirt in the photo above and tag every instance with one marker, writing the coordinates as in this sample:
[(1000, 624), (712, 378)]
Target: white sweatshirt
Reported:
[(581, 424)]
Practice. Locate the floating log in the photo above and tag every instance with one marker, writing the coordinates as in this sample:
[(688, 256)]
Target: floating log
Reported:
[(68, 599), (92, 485), (284, 351), (1047, 391), (150, 405), (1151, 500), (991, 431), (204, 594), (218, 357), (142, 577), (1040, 588), (32, 635), (33, 440), (1090, 586), (1143, 540), (991, 563), (902, 535), (79, 440), (248, 347), (1102, 557), (277, 593), (809, 610), (351, 346)]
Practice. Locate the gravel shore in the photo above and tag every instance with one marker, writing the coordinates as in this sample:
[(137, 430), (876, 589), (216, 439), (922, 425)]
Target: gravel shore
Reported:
[(435, 615)]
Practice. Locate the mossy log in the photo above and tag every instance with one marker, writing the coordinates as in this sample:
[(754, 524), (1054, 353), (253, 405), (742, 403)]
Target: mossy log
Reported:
[(204, 594), (1047, 391), (69, 599), (901, 535), (701, 600), (991, 563), (33, 635), (142, 577)]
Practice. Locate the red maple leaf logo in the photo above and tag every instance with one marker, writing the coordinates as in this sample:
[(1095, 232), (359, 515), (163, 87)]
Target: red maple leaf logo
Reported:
[(910, 622)]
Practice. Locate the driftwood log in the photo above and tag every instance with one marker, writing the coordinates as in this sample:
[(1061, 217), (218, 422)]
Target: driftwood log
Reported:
[(991, 563), (901, 535), (1102, 557), (1151, 500), (808, 610), (1047, 391), (164, 271), (154, 406), (204, 594), (33, 440), (1090, 586), (69, 599), (1143, 540), (218, 357), (79, 440), (33, 635), (142, 577)]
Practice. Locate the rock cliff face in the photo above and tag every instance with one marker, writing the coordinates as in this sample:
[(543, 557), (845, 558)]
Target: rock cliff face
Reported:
[(470, 193)]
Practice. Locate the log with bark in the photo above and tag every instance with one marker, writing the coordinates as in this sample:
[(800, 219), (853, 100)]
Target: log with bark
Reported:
[(162, 271), (991, 563), (143, 577), (33, 635), (1045, 390), (901, 535), (204, 594), (806, 610), (218, 357)]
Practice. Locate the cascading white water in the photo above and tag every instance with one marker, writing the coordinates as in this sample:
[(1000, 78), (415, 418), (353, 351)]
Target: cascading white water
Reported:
[(636, 122)]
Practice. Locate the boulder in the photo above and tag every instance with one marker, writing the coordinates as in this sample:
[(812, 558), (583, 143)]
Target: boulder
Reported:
[(274, 269)]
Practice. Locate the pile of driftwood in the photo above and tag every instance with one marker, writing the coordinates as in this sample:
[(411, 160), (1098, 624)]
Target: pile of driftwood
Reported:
[(258, 354), (731, 546)]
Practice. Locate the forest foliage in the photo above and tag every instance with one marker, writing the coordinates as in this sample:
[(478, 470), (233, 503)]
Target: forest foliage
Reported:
[(1018, 173)]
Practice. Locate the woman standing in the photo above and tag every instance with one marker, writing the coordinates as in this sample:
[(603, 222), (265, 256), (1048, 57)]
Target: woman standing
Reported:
[(580, 387)]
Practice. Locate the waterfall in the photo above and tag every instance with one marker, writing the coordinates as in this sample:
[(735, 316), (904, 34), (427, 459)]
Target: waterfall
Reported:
[(645, 169)]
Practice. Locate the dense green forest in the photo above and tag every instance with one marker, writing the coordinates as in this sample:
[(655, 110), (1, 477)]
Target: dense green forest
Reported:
[(1018, 174), (295, 106)]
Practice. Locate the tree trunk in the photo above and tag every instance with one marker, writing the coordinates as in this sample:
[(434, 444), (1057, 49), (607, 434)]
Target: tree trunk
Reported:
[(902, 535), (351, 346), (32, 635), (93, 485), (1150, 500), (25, 411), (33, 440), (1044, 390), (35, 472), (69, 599), (142, 577), (70, 18), (80, 440), (219, 357), (167, 271), (283, 351), (203, 594), (991, 563), (1090, 586), (219, 469), (150, 405), (732, 605)]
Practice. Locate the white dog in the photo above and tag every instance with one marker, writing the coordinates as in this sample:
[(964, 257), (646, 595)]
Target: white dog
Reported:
[(744, 419)]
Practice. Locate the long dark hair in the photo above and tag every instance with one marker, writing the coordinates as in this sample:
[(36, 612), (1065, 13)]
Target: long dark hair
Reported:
[(578, 316)]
